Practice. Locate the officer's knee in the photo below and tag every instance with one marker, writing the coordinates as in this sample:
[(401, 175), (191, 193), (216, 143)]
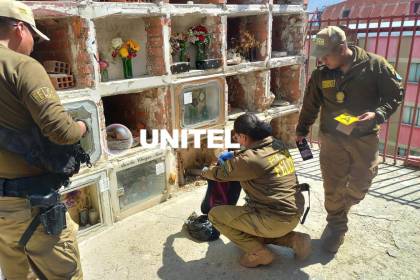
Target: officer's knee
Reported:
[(215, 213)]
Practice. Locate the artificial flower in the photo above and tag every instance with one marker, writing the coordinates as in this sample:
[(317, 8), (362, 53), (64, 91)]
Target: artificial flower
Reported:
[(117, 43), (123, 52)]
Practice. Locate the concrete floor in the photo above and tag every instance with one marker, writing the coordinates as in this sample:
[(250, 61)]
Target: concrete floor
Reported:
[(383, 241)]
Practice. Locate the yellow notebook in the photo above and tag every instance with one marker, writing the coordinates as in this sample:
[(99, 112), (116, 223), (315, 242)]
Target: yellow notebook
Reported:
[(346, 119)]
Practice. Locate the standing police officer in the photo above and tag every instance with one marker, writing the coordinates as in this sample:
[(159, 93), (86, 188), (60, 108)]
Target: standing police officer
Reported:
[(358, 86), (27, 98)]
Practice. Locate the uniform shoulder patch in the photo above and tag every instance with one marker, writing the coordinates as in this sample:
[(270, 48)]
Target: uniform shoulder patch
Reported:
[(40, 95), (328, 84)]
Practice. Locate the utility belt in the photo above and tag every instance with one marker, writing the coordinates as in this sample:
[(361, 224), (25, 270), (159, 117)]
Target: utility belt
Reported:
[(42, 193)]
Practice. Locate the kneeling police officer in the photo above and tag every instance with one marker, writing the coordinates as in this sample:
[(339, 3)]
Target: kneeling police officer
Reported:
[(39, 151)]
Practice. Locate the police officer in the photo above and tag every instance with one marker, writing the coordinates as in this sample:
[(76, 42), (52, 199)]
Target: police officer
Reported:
[(274, 205), (27, 97), (356, 92)]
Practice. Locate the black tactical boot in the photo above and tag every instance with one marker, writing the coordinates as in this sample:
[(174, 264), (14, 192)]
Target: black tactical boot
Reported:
[(332, 240)]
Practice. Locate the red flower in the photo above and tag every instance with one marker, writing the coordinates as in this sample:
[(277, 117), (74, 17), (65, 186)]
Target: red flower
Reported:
[(201, 38), (200, 28)]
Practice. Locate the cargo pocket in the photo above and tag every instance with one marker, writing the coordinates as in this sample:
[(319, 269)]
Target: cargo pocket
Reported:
[(13, 208)]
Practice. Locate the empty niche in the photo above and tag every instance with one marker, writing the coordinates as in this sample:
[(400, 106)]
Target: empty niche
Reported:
[(287, 35), (145, 110), (247, 39), (65, 57), (84, 206), (248, 92), (144, 32), (181, 25), (285, 85), (141, 183)]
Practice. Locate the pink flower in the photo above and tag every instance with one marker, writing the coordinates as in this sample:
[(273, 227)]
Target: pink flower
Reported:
[(103, 65)]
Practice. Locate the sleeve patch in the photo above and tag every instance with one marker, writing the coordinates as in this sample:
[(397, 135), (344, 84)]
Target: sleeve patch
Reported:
[(40, 95)]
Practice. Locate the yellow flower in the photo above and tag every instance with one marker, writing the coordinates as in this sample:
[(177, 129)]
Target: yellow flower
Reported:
[(133, 45), (123, 52)]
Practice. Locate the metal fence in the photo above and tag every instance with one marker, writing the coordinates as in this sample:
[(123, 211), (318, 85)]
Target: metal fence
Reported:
[(397, 38)]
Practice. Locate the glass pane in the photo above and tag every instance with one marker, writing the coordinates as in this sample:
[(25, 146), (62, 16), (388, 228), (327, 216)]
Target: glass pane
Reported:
[(141, 182), (407, 115), (418, 117), (418, 73), (412, 75), (200, 105), (83, 206)]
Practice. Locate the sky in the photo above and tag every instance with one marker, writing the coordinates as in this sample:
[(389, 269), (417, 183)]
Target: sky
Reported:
[(313, 4)]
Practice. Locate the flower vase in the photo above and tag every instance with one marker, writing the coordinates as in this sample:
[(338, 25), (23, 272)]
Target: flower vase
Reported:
[(128, 68), (104, 75), (201, 52), (183, 52)]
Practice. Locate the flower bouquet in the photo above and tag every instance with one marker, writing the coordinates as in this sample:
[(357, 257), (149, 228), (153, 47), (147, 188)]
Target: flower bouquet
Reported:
[(201, 38), (127, 51), (248, 45), (179, 44)]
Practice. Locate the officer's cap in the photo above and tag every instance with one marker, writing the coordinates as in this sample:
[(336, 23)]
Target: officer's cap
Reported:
[(328, 39), (21, 12)]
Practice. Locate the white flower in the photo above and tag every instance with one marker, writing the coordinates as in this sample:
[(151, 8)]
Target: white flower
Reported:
[(117, 43)]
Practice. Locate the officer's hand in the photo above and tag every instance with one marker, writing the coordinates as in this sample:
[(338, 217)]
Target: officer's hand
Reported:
[(83, 128), (299, 139), (368, 116), (224, 156), (205, 169)]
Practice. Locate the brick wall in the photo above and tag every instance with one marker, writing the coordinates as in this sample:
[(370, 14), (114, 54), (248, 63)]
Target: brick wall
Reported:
[(214, 26), (285, 81), (68, 37), (84, 71), (249, 91), (288, 34), (155, 51)]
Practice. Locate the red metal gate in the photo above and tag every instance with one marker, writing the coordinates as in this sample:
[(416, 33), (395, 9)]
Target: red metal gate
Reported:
[(396, 38)]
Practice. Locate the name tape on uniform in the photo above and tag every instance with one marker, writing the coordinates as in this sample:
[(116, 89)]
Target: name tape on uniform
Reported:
[(42, 94), (328, 84)]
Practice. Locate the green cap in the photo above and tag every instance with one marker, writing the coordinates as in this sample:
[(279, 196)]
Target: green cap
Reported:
[(21, 12), (327, 40)]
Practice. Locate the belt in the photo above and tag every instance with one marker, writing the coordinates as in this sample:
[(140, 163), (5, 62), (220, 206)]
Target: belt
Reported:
[(10, 188), (27, 186)]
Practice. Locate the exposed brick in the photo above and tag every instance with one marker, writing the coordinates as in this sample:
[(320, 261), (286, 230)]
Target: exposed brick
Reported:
[(61, 81)]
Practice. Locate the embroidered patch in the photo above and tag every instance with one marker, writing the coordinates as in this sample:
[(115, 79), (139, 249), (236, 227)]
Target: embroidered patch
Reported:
[(42, 94), (340, 96), (283, 165), (319, 41), (328, 84)]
